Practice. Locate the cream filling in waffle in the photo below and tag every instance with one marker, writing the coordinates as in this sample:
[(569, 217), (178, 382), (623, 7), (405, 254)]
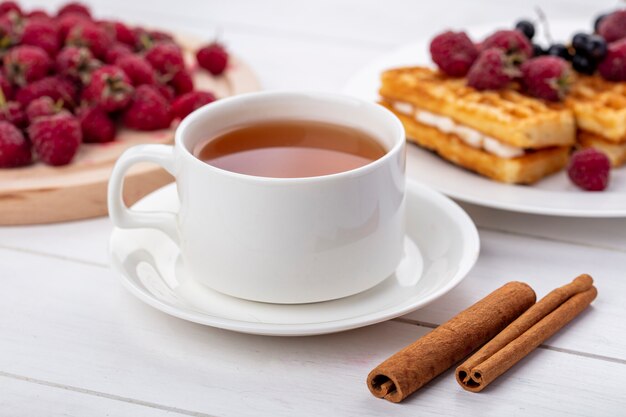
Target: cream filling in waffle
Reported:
[(469, 136)]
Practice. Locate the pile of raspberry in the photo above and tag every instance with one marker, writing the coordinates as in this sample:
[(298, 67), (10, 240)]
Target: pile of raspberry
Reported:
[(69, 78)]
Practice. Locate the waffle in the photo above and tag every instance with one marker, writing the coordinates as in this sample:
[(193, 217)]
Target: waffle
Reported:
[(506, 115), (525, 169), (600, 108), (615, 151)]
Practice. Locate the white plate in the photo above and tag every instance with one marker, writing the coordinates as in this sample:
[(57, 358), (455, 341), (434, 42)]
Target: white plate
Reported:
[(441, 247), (554, 195)]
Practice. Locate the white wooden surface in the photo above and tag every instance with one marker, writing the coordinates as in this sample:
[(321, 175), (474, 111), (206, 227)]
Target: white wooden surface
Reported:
[(74, 343)]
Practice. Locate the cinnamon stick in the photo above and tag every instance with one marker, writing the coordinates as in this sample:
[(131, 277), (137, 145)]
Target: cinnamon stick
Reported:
[(522, 336), (412, 367)]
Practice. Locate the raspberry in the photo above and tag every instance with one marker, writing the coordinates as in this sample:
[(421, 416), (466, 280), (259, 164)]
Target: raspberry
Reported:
[(76, 63), (10, 6), (453, 52), (109, 87), (159, 36), (57, 87), (56, 138), (90, 36), (138, 70), (513, 42), (41, 33), (74, 8), (14, 148), (166, 58), (25, 64), (213, 58), (589, 169), (167, 91), (547, 77), (492, 70), (68, 21), (13, 113), (96, 125), (613, 66), (185, 104), (613, 26), (120, 32), (39, 14), (42, 106), (116, 51), (149, 110), (6, 87), (182, 82)]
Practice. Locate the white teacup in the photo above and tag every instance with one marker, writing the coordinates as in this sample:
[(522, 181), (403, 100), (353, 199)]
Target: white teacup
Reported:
[(279, 240)]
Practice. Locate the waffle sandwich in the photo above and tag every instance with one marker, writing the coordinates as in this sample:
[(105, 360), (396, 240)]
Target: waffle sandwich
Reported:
[(599, 107), (503, 135)]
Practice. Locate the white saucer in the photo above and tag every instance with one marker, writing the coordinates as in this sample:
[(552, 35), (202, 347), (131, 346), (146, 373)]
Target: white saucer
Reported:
[(554, 195), (441, 247)]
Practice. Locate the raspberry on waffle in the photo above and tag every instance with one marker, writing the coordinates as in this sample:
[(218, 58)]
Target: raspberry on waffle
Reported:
[(501, 134)]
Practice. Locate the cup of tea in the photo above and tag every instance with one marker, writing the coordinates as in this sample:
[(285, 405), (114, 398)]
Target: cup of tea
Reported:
[(284, 197)]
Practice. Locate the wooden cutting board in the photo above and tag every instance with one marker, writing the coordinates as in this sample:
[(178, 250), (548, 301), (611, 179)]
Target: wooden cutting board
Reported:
[(44, 194)]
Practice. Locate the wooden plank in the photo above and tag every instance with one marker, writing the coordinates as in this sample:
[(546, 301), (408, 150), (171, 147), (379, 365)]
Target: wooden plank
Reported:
[(80, 328), (603, 233), (545, 265), (21, 397)]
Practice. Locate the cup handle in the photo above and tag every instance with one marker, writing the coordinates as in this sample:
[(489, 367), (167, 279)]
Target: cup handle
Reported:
[(121, 215)]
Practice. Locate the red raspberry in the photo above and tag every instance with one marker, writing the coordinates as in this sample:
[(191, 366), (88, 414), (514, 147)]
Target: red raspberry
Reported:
[(166, 58), (13, 113), (10, 6), (167, 91), (182, 82), (14, 148), (74, 8), (492, 70), (56, 138), (57, 87), (25, 64), (453, 52), (137, 69), (188, 102), (39, 14), (613, 26), (116, 51), (120, 32), (109, 87), (613, 66), (68, 21), (149, 110), (6, 87), (513, 42), (90, 36), (547, 77), (42, 106), (41, 33), (160, 36), (97, 126), (213, 58), (589, 169), (76, 63)]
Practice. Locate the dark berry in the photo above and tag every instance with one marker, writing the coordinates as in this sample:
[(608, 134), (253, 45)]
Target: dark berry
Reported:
[(526, 27), (538, 50), (560, 50), (596, 23), (597, 47), (580, 42), (583, 64)]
